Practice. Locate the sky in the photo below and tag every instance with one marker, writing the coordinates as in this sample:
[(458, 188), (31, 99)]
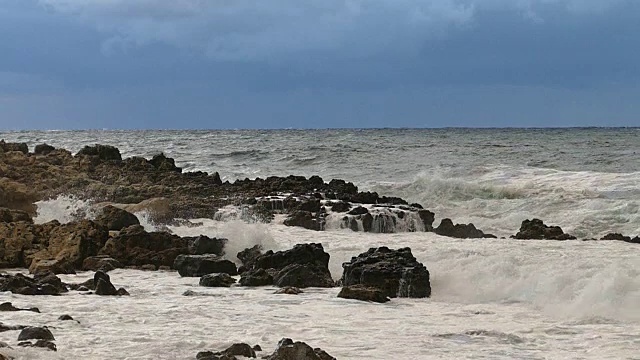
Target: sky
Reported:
[(231, 64)]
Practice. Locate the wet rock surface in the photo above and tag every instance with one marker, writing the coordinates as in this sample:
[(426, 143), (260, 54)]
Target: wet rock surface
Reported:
[(217, 280), (200, 265), (536, 229), (364, 293), (396, 273)]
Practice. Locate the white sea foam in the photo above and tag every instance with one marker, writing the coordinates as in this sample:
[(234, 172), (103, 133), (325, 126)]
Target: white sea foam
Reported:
[(499, 299)]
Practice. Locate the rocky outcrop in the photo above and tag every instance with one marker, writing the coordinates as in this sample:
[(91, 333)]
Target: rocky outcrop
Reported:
[(287, 349), (17, 196), (200, 265), (41, 284), (37, 333), (134, 246), (289, 290), (248, 256), (101, 262), (7, 306), (305, 219), (396, 273), (238, 349), (537, 230), (461, 231), (305, 265), (114, 218), (12, 215), (103, 285), (217, 280), (620, 237), (40, 344), (364, 293)]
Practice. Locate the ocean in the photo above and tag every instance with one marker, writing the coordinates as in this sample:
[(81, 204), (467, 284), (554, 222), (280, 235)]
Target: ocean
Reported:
[(492, 298)]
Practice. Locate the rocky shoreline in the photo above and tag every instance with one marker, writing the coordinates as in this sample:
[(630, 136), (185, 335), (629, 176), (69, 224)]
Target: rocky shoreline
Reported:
[(113, 237)]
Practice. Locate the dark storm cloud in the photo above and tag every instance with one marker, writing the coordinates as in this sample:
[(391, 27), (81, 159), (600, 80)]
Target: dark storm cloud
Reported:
[(318, 63)]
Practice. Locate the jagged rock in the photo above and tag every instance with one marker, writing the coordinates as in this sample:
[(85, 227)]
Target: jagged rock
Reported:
[(17, 196), (7, 306), (12, 215), (310, 205), (20, 240), (34, 332), (461, 231), (312, 253), (364, 293), (40, 343), (21, 147), (163, 163), (289, 290), (114, 218), (200, 265), (536, 229), (426, 216), (256, 277), (133, 246), (304, 275), (360, 210), (209, 355), (240, 349), (217, 280), (41, 284), (205, 245), (304, 219), (101, 262), (289, 350), (103, 285), (102, 152), (616, 236), (43, 149), (340, 206), (249, 255), (396, 272)]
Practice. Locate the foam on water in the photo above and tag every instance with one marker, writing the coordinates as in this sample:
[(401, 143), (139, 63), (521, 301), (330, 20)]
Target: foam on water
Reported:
[(63, 208), (499, 299)]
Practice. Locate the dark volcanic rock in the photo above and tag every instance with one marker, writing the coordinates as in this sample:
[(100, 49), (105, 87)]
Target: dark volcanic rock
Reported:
[(33, 332), (461, 231), (43, 149), (427, 218), (7, 306), (256, 277), (289, 350), (205, 245), (200, 265), (310, 205), (300, 254), (364, 293), (360, 210), (102, 152), (65, 318), (103, 284), (134, 246), (163, 163), (395, 272), (616, 236), (340, 206), (305, 219), (12, 215), (41, 284), (114, 218), (21, 147), (536, 229), (217, 280), (249, 255), (304, 275)]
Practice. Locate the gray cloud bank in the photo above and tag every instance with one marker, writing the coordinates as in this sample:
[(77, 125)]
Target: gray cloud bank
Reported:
[(318, 63)]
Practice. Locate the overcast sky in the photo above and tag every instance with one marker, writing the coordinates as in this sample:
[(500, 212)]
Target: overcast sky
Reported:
[(318, 63)]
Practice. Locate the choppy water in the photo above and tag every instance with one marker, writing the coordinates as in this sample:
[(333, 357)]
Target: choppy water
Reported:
[(492, 299), (585, 180)]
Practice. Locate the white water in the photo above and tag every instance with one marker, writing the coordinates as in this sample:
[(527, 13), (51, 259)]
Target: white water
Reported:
[(498, 299)]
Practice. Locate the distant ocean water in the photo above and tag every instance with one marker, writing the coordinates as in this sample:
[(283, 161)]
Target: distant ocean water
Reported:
[(492, 298)]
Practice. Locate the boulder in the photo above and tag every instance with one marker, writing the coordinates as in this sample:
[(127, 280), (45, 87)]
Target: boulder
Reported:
[(157, 209), (114, 218), (340, 206), (426, 216), (205, 245), (7, 306), (102, 152), (33, 332), (304, 275), (289, 290), (134, 246), (461, 231), (17, 196), (360, 210), (248, 256), (304, 219), (536, 229), (287, 349), (101, 262), (19, 241), (364, 293), (200, 265), (51, 265), (20, 147), (310, 205), (74, 242), (43, 149), (217, 280), (41, 284), (312, 253), (65, 318), (256, 277), (40, 343), (396, 272), (163, 163)]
